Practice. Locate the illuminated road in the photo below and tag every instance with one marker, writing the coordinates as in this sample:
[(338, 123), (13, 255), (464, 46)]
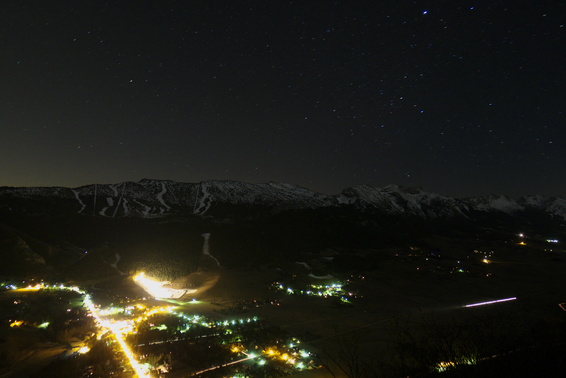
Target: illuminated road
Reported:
[(115, 329), (140, 370), (223, 365), (491, 302)]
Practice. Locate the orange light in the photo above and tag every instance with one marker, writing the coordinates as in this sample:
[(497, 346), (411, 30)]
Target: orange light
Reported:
[(16, 323)]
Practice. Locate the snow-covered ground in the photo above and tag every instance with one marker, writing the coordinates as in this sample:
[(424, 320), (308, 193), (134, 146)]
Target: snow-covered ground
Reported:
[(205, 249)]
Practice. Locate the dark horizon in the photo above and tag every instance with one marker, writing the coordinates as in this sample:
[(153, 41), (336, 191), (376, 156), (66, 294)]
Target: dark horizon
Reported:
[(424, 189)]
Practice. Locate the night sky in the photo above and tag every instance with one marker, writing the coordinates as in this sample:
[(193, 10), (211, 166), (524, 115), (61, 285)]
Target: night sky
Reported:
[(460, 97)]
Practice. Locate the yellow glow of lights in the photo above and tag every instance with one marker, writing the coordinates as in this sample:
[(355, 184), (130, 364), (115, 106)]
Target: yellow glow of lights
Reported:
[(32, 288), (110, 311), (122, 327), (156, 289), (485, 261), (152, 287), (140, 370), (522, 243), (443, 366), (117, 328), (16, 323), (158, 310)]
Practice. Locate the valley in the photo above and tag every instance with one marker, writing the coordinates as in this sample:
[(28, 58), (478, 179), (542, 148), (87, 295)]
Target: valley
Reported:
[(364, 291)]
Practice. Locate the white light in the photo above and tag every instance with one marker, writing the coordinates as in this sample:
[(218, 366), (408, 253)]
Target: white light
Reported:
[(156, 289), (491, 302)]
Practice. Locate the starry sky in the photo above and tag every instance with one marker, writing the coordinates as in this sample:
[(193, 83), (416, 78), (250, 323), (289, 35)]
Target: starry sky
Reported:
[(463, 98)]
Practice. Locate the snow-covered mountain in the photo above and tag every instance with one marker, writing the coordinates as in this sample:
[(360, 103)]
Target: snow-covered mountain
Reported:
[(157, 198), (406, 201), (495, 203), (552, 205)]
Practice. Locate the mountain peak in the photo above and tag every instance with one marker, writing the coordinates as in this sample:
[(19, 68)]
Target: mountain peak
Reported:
[(158, 198)]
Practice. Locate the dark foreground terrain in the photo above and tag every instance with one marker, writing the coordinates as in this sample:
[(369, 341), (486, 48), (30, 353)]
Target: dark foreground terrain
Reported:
[(366, 292)]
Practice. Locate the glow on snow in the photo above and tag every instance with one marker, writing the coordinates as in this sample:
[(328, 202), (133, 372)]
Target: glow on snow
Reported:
[(157, 289)]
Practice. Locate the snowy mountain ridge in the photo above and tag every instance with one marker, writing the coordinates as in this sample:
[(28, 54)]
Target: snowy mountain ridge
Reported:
[(156, 198)]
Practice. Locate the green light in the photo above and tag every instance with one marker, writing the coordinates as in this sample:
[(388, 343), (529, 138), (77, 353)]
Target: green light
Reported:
[(161, 327)]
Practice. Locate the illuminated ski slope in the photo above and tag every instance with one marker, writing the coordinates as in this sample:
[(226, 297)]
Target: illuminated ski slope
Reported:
[(157, 289)]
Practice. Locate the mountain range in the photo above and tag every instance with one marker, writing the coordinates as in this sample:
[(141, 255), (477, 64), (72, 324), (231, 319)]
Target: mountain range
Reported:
[(159, 198), (157, 225)]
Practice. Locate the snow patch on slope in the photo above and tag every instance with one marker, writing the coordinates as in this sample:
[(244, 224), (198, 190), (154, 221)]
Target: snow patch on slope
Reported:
[(114, 265), (145, 209), (160, 195), (399, 200), (495, 203), (119, 200), (553, 205), (125, 207), (326, 277), (205, 201), (557, 206), (206, 248), (76, 193), (110, 203), (114, 189), (156, 198)]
